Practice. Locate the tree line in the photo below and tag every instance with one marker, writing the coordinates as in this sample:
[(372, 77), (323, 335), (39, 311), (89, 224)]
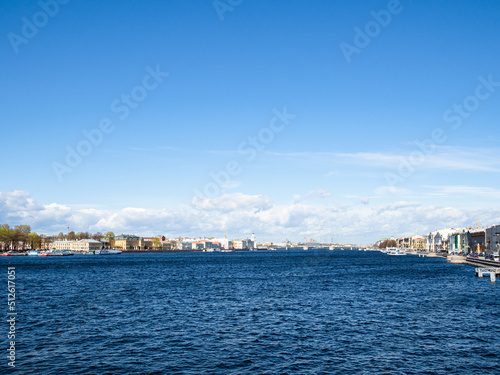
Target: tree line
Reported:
[(387, 243), (20, 237)]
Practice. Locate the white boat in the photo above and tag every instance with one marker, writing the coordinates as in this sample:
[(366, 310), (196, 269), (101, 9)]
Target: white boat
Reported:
[(395, 251), (109, 252), (61, 253), (33, 253)]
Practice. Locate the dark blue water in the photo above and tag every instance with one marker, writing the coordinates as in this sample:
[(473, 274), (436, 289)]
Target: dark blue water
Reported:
[(302, 312)]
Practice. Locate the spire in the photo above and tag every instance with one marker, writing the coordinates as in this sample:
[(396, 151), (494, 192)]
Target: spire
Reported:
[(479, 224)]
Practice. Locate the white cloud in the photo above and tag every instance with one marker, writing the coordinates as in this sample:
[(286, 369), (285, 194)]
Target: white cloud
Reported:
[(456, 190), (242, 214), (440, 158), (316, 194), (391, 190)]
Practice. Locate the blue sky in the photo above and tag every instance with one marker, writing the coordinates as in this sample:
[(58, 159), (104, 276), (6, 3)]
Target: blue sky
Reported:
[(347, 166)]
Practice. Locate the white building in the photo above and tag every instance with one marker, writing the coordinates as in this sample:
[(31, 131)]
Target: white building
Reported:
[(82, 246), (244, 244), (62, 245), (438, 240), (186, 245), (225, 244)]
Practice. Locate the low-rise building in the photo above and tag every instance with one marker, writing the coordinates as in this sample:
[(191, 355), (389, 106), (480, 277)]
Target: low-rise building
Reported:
[(477, 242), (86, 245), (81, 246), (437, 241), (128, 242), (492, 235), (62, 245), (418, 242)]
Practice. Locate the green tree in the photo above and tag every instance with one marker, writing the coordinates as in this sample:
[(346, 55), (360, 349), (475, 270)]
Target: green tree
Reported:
[(47, 241), (20, 236), (82, 235), (156, 243), (97, 236), (110, 236), (34, 240), (388, 243), (5, 236), (24, 229)]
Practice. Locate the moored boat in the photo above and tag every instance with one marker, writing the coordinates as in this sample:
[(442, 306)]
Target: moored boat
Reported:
[(61, 253), (395, 251), (109, 252)]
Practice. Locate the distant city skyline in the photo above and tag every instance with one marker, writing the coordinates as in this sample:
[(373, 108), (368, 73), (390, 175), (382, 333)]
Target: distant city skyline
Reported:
[(347, 120)]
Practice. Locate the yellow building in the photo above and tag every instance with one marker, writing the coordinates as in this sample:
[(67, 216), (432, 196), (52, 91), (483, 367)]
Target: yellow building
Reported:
[(418, 243), (128, 242)]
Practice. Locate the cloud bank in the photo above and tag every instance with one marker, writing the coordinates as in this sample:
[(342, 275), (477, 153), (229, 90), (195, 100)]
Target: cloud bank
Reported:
[(243, 214)]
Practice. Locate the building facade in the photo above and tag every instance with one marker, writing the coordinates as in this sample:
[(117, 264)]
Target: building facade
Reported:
[(492, 239), (128, 242), (85, 246), (81, 246), (62, 245)]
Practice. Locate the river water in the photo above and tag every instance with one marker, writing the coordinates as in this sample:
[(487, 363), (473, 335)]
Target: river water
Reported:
[(269, 312)]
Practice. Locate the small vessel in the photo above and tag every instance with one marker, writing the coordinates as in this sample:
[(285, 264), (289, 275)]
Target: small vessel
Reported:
[(33, 253), (109, 252), (61, 253), (395, 251)]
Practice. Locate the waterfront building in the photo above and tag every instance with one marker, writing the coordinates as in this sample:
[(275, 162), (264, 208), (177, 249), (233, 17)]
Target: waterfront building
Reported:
[(404, 242), (169, 245), (198, 245), (240, 244), (437, 241), (245, 244), (418, 242), (223, 243), (81, 246), (459, 241), (62, 245), (86, 245), (477, 241), (400, 242), (185, 245), (128, 242), (492, 240)]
